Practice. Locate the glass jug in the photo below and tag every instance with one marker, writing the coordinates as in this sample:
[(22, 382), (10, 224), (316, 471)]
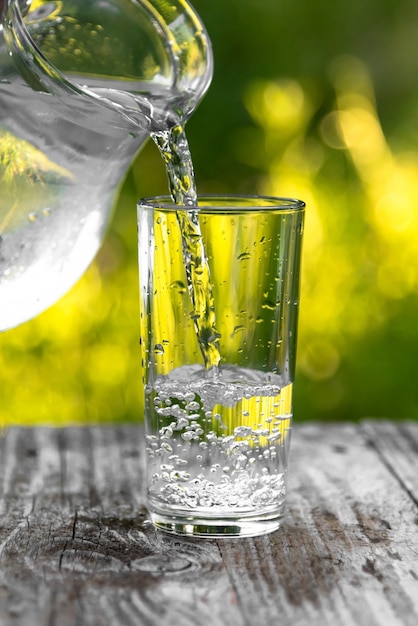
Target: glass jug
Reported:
[(82, 85)]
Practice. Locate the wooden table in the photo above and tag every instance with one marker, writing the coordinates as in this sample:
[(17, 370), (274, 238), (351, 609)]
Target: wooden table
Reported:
[(76, 547)]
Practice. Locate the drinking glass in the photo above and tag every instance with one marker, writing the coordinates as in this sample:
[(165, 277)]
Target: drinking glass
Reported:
[(219, 298)]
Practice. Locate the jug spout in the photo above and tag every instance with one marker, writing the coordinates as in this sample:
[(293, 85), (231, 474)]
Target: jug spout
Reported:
[(82, 85)]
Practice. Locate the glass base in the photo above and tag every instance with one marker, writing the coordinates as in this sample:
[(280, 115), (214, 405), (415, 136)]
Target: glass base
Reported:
[(193, 526)]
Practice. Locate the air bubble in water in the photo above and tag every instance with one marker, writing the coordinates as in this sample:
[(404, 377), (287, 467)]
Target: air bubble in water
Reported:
[(243, 431)]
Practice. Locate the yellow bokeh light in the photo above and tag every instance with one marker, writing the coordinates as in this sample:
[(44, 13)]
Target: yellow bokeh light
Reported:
[(348, 285), (319, 359), (280, 105), (80, 360), (362, 135)]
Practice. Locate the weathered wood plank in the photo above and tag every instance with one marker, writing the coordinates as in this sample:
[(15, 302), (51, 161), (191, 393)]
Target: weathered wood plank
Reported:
[(397, 444), (76, 547), (347, 552)]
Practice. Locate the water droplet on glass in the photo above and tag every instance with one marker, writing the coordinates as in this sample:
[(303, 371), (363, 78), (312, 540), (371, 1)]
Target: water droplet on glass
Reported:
[(237, 329), (267, 304), (180, 286)]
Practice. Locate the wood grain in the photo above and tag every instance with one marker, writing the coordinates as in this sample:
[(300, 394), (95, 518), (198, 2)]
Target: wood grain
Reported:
[(76, 547)]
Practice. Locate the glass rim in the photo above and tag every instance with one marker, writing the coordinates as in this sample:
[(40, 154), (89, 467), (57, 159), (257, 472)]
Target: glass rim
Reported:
[(225, 202)]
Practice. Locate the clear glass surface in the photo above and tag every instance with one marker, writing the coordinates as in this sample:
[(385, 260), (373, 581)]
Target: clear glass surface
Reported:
[(218, 350)]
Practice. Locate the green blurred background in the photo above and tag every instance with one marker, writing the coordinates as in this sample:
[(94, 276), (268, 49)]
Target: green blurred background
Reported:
[(316, 100)]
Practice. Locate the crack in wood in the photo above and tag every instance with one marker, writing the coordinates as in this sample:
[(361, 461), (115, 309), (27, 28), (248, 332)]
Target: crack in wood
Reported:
[(74, 524)]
